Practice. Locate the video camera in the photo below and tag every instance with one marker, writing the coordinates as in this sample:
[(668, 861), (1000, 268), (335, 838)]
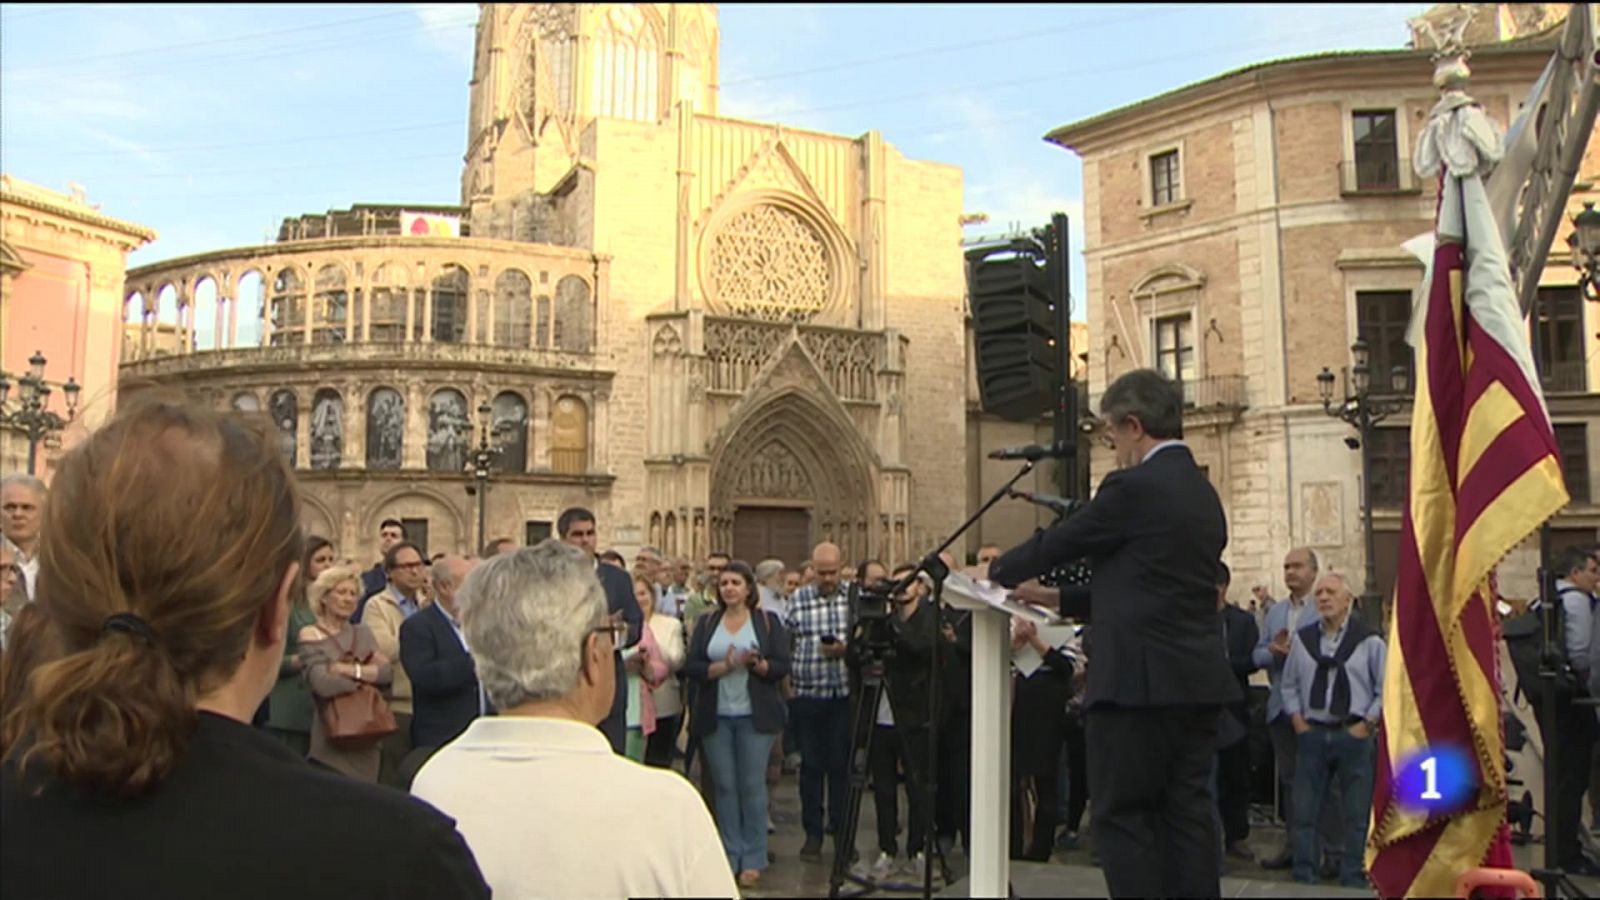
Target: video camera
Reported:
[(872, 605)]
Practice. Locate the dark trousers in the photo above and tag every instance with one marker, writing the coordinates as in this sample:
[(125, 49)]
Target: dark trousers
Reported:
[(953, 790), (1284, 752), (822, 726), (1150, 800), (1233, 790), (1575, 745), (1332, 755), (662, 742), (894, 751), (1033, 816), (1077, 772)]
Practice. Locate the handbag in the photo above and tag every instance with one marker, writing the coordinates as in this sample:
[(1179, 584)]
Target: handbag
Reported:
[(358, 718)]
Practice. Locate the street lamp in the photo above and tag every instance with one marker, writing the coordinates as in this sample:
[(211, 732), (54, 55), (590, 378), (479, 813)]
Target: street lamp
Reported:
[(480, 464), (1363, 410), (31, 414), (1585, 245)]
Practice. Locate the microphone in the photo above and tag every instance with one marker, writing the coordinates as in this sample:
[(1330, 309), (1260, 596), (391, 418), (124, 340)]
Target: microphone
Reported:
[(1035, 452), (1061, 506)]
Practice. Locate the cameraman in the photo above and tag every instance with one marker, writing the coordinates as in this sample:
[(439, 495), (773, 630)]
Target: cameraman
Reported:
[(1154, 533), (900, 735)]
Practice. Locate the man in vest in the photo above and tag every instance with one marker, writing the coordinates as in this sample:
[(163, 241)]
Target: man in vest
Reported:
[(1333, 693)]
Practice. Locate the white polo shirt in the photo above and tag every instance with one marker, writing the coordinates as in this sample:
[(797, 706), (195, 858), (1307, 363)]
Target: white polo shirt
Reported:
[(550, 811)]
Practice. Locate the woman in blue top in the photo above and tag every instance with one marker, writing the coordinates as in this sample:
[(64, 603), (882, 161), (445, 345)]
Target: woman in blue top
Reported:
[(736, 659)]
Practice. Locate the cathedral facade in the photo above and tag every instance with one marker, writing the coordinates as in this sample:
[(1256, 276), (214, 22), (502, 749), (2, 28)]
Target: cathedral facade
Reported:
[(716, 334)]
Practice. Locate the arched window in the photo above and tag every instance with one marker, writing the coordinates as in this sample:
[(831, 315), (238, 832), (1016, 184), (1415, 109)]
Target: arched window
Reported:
[(250, 297), (569, 436), (169, 336), (389, 296), (574, 326), (386, 429), (627, 64), (285, 410), (450, 305), (513, 309), (509, 423), (208, 315), (449, 431), (327, 429), (288, 307), (330, 306)]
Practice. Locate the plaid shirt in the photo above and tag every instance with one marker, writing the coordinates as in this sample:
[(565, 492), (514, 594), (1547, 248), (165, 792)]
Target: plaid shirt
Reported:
[(810, 617)]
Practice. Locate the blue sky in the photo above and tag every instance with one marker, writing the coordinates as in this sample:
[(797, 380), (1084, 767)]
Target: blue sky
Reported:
[(211, 123)]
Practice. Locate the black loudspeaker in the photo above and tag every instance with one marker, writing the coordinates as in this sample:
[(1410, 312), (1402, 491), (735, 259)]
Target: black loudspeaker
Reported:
[(1014, 330)]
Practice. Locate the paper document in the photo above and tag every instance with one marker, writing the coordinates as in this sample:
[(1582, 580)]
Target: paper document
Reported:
[(997, 598), (1062, 637)]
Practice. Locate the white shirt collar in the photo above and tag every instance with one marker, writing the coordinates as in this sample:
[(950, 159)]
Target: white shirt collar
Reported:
[(534, 732), (1160, 447)]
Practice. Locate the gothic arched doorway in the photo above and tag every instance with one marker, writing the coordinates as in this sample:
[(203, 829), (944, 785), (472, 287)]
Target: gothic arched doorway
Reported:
[(791, 473)]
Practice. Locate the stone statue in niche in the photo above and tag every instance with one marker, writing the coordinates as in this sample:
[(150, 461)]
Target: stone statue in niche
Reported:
[(285, 412), (327, 430), (449, 429), (386, 428)]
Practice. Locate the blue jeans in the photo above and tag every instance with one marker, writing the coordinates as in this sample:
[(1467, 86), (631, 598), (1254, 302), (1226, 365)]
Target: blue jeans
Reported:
[(1322, 754), (822, 727), (738, 758)]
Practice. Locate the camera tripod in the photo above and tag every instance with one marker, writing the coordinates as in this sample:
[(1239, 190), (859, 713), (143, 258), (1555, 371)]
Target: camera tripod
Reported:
[(875, 685)]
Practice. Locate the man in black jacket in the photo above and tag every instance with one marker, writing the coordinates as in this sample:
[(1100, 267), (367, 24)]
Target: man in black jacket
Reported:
[(445, 694), (577, 527), (900, 729), (1239, 636), (1155, 532)]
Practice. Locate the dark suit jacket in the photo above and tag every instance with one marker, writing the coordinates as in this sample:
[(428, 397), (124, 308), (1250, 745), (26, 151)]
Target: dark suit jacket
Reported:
[(444, 683), (1242, 634), (1155, 535), (223, 823), (619, 598), (766, 702), (909, 669)]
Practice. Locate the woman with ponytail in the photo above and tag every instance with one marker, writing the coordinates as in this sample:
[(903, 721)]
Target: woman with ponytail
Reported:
[(168, 556)]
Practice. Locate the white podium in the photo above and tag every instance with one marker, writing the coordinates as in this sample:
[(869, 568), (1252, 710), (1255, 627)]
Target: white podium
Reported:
[(990, 830)]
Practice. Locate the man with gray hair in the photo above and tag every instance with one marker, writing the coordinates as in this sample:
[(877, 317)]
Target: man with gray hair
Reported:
[(545, 806), (21, 508), (769, 581), (1155, 532), (445, 694)]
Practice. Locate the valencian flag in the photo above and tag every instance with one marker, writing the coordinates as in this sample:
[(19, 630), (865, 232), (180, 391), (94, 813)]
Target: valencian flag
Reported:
[(1485, 475)]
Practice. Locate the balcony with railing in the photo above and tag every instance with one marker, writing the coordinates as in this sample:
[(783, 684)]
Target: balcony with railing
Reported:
[(1565, 377), (1218, 393)]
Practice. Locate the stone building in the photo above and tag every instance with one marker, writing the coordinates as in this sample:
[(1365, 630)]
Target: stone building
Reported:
[(715, 333), (1243, 231), (62, 262)]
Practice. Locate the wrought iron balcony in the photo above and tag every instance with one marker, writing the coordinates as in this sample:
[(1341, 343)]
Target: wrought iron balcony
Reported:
[(1219, 392)]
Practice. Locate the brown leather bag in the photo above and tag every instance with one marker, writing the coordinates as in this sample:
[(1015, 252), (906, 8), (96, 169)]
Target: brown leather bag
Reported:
[(358, 718)]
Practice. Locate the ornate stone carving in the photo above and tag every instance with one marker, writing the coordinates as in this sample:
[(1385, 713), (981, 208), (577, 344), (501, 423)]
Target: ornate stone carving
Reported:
[(849, 360), (736, 351), (327, 429), (449, 431), (773, 472), (768, 263), (667, 342)]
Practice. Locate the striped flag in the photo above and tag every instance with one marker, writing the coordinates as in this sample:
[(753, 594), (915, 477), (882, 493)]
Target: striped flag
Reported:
[(1485, 474)]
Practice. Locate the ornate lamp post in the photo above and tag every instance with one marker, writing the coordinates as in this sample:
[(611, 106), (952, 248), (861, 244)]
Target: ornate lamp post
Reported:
[(1363, 410), (480, 464), (1585, 244), (31, 413)]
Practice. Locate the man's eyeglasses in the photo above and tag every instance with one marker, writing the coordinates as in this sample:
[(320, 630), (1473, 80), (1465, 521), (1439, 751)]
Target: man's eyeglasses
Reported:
[(617, 630), (411, 565)]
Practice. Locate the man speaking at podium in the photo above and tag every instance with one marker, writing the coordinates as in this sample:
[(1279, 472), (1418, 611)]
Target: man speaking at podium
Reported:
[(1158, 676)]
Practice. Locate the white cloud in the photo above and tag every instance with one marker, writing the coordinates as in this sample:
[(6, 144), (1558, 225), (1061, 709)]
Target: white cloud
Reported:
[(448, 28), (134, 148), (763, 101)]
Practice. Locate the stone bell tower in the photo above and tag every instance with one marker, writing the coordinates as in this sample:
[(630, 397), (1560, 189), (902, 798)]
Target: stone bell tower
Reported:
[(542, 72)]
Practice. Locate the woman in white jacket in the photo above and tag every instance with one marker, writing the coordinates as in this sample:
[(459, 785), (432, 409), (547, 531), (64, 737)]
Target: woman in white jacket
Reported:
[(668, 696)]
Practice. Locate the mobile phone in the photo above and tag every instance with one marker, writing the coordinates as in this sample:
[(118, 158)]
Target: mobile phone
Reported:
[(829, 639)]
